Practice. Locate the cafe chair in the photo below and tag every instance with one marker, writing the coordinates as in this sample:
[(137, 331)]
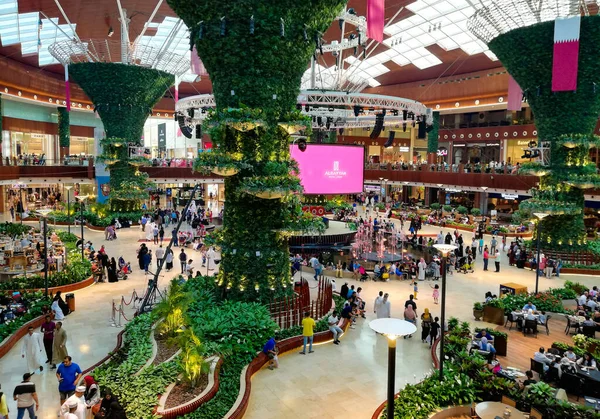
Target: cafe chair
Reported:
[(571, 324), (509, 401), (510, 318), (537, 367), (530, 325), (572, 384), (546, 324), (535, 414), (473, 412), (589, 331)]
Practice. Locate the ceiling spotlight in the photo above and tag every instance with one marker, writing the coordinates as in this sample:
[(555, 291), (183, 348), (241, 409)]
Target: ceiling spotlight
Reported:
[(111, 31)]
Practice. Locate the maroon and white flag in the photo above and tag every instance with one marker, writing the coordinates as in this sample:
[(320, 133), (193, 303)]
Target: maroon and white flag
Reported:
[(375, 19), (515, 95), (566, 53)]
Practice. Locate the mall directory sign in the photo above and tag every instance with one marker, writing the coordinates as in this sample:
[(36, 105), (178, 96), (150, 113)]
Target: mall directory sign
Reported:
[(330, 169)]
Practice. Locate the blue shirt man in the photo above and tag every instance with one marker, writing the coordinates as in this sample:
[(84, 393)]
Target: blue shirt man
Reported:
[(529, 306), (269, 346), (68, 374)]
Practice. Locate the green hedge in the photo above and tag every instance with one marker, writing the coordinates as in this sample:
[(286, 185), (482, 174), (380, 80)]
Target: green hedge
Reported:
[(64, 127)]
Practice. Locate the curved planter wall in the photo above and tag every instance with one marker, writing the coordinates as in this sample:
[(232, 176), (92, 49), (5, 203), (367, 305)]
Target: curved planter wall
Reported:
[(286, 345), (11, 340)]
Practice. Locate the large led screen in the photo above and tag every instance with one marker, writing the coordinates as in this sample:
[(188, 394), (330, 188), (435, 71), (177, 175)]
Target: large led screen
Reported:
[(330, 169)]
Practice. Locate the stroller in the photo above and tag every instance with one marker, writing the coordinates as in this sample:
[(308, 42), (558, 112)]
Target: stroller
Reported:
[(364, 276), (466, 265), (124, 269), (430, 270)]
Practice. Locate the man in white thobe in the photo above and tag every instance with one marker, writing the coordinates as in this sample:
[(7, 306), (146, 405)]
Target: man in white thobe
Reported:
[(78, 399), (385, 309), (31, 350), (377, 304), (210, 256)]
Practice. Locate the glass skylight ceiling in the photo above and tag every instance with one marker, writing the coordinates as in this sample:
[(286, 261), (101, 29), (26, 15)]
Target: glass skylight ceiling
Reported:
[(433, 22), (24, 28)]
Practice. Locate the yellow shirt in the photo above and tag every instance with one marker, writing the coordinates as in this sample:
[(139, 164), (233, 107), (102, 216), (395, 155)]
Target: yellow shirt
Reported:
[(3, 406), (307, 326)]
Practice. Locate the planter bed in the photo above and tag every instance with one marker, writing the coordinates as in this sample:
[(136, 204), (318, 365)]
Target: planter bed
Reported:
[(170, 406), (62, 288), (164, 352)]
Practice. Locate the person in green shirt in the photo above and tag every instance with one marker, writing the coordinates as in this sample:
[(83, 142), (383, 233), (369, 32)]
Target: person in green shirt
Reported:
[(308, 325)]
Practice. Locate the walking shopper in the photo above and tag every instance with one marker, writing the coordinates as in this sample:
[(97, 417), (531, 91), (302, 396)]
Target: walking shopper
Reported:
[(308, 325), (333, 321), (436, 294), (68, 374), (183, 260), (31, 350), (433, 333), (59, 346), (426, 320), (169, 260), (26, 397), (48, 330), (497, 260), (378, 303), (160, 254)]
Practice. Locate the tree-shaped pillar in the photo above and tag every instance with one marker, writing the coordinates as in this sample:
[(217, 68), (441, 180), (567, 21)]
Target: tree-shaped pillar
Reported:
[(123, 96), (565, 120), (255, 53)]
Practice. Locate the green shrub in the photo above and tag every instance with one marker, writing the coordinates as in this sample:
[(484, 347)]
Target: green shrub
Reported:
[(578, 288), (447, 208), (435, 206), (462, 210), (476, 212)]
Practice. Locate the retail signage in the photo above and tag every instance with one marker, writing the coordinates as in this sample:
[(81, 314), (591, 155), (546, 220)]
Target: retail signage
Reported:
[(162, 137), (453, 190), (442, 152), (374, 188), (314, 210), (404, 149), (492, 144), (523, 142), (510, 196)]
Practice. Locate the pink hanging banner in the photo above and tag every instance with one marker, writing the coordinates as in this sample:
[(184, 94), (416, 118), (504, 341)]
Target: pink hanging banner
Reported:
[(197, 65), (67, 88), (515, 95), (375, 19), (566, 53)]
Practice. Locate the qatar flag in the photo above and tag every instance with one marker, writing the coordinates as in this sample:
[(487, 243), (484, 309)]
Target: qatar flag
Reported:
[(375, 19), (566, 53)]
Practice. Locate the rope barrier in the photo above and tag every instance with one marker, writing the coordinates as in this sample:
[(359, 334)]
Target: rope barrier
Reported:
[(123, 313), (134, 295)]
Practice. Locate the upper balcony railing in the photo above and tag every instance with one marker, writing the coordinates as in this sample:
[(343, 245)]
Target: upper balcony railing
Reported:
[(500, 169), (40, 160)]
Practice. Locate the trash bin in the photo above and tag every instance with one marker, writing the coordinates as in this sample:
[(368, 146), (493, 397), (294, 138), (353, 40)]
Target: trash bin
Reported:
[(70, 301)]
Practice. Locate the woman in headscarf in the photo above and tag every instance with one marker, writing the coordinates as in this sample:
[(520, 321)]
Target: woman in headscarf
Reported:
[(565, 366), (426, 320), (116, 411), (422, 266), (92, 391), (410, 316), (529, 315), (61, 303), (485, 346), (104, 406)]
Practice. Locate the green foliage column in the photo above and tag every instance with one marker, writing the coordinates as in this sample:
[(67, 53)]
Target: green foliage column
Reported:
[(565, 120), (255, 53), (123, 96), (432, 136), (64, 130)]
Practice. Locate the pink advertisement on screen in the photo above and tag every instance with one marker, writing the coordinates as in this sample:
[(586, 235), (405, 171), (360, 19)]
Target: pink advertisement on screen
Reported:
[(330, 169)]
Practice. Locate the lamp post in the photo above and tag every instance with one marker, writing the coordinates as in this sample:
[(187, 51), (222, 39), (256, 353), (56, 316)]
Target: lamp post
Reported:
[(81, 199), (392, 329), (444, 249), (68, 188), (44, 214), (540, 216)]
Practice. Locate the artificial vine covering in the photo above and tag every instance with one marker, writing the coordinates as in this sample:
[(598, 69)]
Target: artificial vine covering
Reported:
[(256, 53), (565, 120), (64, 127), (123, 96), (432, 136)]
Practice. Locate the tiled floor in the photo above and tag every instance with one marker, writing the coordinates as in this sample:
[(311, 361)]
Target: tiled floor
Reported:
[(348, 380)]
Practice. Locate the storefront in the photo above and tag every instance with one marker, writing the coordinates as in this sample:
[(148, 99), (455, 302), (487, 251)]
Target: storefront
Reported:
[(458, 197), (505, 203), (476, 152), (515, 150), (82, 146)]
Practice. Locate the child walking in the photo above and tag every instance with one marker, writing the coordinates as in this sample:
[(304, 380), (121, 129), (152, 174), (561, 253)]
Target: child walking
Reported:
[(436, 293), (415, 289)]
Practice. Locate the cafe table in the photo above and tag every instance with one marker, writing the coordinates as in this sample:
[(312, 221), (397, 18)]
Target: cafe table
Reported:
[(587, 374), (491, 410)]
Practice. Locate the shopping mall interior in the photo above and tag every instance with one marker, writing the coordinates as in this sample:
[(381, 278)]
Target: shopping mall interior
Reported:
[(299, 209)]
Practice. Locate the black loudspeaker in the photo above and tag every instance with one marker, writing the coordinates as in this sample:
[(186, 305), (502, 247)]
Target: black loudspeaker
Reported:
[(185, 130), (390, 139), (378, 126), (198, 132), (422, 134)]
